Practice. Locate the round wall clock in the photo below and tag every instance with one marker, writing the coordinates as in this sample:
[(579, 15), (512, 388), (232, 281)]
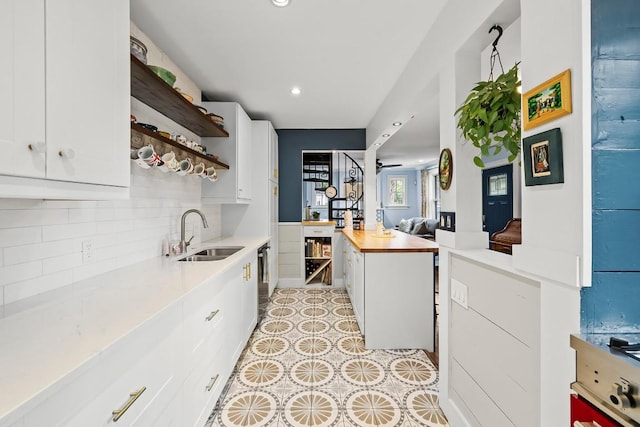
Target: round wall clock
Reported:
[(445, 169), (330, 192)]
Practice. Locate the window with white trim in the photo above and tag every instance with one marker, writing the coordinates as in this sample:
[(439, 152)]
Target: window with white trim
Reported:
[(396, 190)]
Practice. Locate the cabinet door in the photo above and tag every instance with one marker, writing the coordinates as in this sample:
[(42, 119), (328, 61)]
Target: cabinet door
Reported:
[(249, 296), (273, 154), (87, 83), (358, 289), (273, 231), (22, 102), (244, 170), (349, 271)]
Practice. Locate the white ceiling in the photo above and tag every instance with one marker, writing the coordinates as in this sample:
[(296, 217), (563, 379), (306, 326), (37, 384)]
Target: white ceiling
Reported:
[(417, 142), (345, 55)]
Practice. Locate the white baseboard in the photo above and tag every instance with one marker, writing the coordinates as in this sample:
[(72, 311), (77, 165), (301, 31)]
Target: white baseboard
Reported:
[(291, 283), (299, 283)]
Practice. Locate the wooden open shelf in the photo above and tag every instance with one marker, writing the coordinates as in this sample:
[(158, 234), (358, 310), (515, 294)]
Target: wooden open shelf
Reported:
[(320, 268), (141, 136), (153, 91)]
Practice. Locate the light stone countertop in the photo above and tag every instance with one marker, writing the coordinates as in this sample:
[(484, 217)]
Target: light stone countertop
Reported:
[(45, 338)]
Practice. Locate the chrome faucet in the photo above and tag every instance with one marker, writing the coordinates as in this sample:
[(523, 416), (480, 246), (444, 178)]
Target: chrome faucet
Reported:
[(184, 244)]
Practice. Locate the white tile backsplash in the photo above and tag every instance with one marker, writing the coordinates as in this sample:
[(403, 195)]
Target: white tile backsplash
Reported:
[(41, 241), (20, 235), (11, 218), (26, 253), (67, 231), (19, 272)]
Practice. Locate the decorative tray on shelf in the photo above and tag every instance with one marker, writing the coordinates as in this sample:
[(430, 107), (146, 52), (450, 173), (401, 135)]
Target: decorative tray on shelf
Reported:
[(141, 136)]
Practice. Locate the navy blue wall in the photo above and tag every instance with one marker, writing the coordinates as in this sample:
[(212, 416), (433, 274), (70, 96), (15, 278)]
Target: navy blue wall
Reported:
[(612, 303), (291, 142)]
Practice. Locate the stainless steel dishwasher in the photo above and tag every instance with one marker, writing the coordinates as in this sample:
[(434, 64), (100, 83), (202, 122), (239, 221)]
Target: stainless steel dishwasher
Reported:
[(263, 280)]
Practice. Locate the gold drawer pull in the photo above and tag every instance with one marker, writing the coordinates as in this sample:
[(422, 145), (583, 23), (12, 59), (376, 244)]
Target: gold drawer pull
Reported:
[(248, 271), (212, 383), (212, 315), (132, 398)]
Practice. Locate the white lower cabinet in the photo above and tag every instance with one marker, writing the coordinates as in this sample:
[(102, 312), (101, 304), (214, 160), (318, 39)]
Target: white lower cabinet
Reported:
[(169, 370), (249, 307), (203, 386), (353, 273), (129, 382), (358, 289), (220, 317)]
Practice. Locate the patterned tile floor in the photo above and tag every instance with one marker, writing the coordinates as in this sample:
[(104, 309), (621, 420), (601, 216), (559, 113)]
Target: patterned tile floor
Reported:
[(306, 365)]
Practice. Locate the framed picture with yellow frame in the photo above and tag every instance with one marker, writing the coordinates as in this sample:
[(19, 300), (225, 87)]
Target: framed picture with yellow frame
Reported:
[(547, 101)]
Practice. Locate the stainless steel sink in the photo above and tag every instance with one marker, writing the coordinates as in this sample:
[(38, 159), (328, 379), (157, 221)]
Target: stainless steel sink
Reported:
[(213, 254)]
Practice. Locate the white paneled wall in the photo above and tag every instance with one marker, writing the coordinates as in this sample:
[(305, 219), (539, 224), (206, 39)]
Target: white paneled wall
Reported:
[(41, 241)]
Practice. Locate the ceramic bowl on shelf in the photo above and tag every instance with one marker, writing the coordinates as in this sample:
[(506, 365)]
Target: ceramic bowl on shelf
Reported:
[(202, 109), (216, 119), (138, 49), (184, 94), (164, 74), (152, 128)]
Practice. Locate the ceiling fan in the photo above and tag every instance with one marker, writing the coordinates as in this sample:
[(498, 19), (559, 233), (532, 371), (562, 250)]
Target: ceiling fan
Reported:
[(380, 166)]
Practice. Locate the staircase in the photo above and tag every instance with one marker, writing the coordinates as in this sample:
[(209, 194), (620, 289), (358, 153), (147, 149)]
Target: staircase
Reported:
[(350, 192)]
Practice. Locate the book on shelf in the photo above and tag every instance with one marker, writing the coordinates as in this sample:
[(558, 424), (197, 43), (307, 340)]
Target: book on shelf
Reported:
[(326, 250)]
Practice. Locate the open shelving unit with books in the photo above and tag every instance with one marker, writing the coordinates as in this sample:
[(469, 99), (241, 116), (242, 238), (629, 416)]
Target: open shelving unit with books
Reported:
[(317, 260)]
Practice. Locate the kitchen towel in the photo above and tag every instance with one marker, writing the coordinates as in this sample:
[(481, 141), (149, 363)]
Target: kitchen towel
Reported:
[(265, 265)]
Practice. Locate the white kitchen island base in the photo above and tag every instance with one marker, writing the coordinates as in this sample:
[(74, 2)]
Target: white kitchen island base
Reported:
[(399, 300), (390, 283)]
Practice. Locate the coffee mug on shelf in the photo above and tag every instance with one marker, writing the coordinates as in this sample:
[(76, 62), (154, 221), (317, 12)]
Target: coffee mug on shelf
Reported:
[(148, 155), (170, 162), (211, 173), (199, 169), (180, 139), (185, 167)]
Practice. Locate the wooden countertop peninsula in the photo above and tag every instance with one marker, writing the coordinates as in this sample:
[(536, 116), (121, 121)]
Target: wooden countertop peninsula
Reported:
[(325, 223), (366, 241)]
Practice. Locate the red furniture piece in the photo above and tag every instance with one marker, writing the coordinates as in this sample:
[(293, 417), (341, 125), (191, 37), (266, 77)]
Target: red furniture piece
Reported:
[(583, 414)]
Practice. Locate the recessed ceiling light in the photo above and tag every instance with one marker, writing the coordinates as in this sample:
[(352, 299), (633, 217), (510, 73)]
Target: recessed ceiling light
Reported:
[(420, 161), (295, 90), (377, 144), (280, 3), (397, 123), (386, 135)]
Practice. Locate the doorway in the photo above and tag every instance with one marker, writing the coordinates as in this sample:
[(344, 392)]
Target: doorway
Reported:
[(497, 198)]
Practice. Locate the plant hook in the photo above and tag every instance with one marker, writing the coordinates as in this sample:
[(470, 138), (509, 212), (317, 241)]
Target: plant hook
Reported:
[(494, 51), (499, 28)]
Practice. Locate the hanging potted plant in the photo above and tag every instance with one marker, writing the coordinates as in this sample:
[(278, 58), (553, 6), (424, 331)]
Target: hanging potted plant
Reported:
[(490, 116)]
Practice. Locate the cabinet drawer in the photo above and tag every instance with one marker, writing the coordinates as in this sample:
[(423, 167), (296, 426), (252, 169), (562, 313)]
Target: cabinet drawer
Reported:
[(203, 387), (205, 314), (148, 357), (157, 372), (318, 230)]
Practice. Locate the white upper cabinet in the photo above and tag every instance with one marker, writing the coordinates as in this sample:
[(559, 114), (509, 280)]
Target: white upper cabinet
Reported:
[(88, 91), (65, 120), (233, 186), (22, 124)]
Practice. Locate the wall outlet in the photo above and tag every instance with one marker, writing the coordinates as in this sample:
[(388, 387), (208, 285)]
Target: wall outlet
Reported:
[(459, 293), (87, 251)]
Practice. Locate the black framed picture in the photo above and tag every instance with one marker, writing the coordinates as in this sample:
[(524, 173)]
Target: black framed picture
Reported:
[(543, 158)]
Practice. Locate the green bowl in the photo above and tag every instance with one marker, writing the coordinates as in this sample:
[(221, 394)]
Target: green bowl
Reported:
[(164, 74)]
